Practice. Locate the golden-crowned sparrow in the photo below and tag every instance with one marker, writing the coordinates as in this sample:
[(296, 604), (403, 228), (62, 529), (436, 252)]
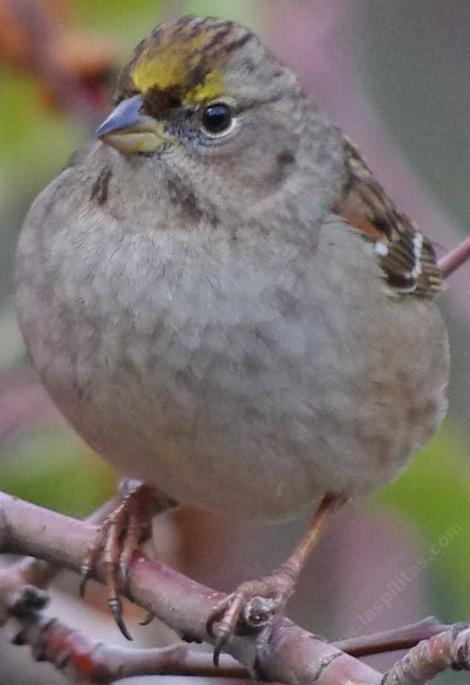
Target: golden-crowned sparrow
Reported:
[(222, 300)]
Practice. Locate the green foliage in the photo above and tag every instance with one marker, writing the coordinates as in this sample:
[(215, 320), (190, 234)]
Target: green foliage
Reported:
[(434, 492), (244, 11), (34, 143), (58, 472), (130, 21), (127, 19)]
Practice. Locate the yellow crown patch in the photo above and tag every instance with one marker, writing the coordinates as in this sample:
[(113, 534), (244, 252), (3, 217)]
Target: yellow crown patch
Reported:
[(187, 57), (176, 63)]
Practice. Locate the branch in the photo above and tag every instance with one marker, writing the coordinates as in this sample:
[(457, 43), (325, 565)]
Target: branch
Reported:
[(454, 259), (84, 660), (392, 640), (81, 658), (287, 653), (283, 652), (450, 649)]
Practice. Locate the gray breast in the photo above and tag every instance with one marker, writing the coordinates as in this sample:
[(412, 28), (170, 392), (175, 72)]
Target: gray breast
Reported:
[(253, 379)]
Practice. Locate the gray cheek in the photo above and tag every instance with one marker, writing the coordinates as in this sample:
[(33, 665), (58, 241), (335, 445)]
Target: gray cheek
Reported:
[(269, 153), (257, 161)]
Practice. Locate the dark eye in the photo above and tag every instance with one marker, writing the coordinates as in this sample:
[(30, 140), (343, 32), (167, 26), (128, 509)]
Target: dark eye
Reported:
[(217, 118)]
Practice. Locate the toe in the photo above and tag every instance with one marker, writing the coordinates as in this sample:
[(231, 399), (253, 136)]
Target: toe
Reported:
[(226, 615), (115, 605), (216, 615), (118, 538), (253, 606)]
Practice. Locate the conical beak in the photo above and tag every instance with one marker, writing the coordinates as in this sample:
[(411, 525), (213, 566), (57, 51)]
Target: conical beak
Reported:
[(130, 131)]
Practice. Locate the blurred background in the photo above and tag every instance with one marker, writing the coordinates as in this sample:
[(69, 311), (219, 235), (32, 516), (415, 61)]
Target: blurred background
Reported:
[(396, 77)]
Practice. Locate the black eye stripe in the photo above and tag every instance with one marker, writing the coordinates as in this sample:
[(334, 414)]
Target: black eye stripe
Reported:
[(217, 118)]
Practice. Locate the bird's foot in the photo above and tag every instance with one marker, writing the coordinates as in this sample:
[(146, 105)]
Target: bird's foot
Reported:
[(255, 603), (118, 538), (252, 606)]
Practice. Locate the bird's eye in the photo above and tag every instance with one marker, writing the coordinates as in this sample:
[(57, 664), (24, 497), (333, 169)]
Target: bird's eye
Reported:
[(217, 118)]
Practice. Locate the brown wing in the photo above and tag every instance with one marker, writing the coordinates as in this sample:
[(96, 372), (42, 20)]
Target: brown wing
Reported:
[(406, 255)]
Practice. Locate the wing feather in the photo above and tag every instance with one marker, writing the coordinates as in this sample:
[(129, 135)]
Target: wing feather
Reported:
[(407, 257)]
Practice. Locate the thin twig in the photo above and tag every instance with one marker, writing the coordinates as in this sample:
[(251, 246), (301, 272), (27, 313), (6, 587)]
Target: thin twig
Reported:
[(448, 650), (454, 259), (83, 659), (29, 571), (79, 657), (392, 640)]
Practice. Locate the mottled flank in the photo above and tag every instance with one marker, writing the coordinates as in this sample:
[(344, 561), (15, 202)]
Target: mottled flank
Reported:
[(100, 189), (183, 61)]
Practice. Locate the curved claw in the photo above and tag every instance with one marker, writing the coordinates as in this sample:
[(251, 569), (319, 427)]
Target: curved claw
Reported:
[(224, 633), (115, 606), (148, 619), (216, 654)]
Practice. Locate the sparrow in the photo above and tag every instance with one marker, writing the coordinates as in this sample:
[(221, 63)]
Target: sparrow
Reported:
[(221, 299)]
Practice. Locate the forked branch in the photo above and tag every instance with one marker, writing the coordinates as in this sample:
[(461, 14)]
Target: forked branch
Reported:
[(284, 653)]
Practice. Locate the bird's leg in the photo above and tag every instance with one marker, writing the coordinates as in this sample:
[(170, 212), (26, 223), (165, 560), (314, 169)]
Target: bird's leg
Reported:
[(255, 602), (128, 525)]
